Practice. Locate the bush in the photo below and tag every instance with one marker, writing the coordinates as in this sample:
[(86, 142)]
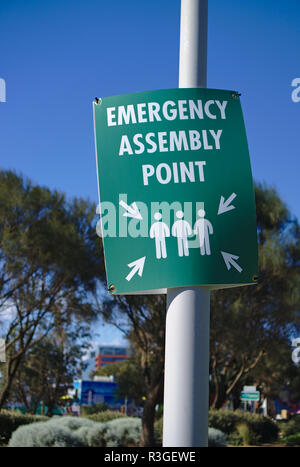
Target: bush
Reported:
[(100, 435), (46, 434), (224, 420), (10, 420), (71, 423), (292, 440), (93, 409), (260, 429), (105, 416), (244, 433), (291, 427), (127, 430), (78, 432)]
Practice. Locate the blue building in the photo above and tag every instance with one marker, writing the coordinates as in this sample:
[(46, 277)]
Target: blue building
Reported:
[(94, 392)]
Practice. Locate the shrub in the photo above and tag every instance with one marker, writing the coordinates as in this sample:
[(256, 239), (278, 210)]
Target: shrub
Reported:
[(75, 432), (224, 420), (244, 433), (216, 438), (260, 429), (105, 416), (127, 430), (11, 420), (93, 409), (292, 440), (100, 435), (291, 427), (235, 439), (71, 423), (46, 434)]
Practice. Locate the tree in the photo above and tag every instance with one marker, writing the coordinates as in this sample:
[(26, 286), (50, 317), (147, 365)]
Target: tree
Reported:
[(50, 263), (277, 372), (128, 377), (50, 367), (249, 323)]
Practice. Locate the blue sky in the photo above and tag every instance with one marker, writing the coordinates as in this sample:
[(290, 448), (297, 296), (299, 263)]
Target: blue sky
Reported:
[(57, 55)]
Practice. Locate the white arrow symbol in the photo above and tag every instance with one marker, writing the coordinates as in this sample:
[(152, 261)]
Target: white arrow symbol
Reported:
[(131, 211), (229, 261), (137, 267), (225, 206)]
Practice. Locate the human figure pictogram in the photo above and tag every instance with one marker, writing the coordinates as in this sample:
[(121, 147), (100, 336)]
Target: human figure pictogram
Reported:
[(182, 230), (159, 230), (203, 229)]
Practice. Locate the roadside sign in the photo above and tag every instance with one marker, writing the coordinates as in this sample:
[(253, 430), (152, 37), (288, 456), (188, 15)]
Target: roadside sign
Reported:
[(250, 396), (176, 192), (249, 388)]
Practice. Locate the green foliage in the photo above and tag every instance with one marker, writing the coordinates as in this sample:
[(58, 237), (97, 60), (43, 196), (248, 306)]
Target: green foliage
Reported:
[(127, 430), (49, 369), (105, 416), (78, 432), (93, 409), (244, 432), (51, 263), (259, 429), (128, 376), (224, 420), (71, 423), (235, 439), (290, 427), (262, 429), (291, 440), (46, 434), (11, 420), (100, 435)]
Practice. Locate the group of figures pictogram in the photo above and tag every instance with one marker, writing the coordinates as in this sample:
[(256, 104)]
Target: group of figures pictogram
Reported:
[(182, 230)]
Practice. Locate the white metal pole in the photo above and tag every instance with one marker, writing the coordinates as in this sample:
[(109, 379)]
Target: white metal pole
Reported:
[(186, 389), (193, 44)]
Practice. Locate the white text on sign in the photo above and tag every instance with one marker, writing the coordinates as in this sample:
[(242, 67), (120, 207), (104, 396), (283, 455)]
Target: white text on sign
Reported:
[(169, 141)]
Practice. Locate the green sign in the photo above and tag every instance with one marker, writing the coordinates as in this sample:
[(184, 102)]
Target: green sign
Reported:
[(250, 396), (176, 193)]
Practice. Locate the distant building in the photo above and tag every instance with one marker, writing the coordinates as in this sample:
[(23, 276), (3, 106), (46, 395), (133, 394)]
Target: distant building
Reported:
[(108, 354), (94, 392)]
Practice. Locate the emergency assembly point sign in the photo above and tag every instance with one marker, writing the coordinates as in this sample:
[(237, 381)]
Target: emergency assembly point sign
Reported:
[(176, 192)]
